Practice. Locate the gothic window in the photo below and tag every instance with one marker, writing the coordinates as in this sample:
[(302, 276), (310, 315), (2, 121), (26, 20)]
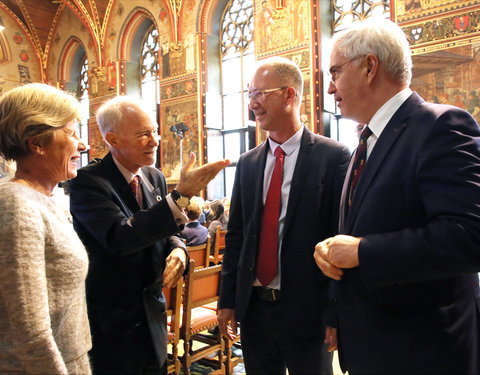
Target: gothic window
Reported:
[(85, 104), (238, 58), (344, 13), (149, 70), (237, 64)]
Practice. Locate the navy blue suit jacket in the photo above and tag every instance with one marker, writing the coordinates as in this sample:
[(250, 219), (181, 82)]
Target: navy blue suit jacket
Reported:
[(194, 233), (311, 216), (412, 307), (124, 259)]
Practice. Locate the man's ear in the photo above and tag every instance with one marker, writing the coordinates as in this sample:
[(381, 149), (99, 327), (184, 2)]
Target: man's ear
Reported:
[(34, 146), (111, 139), (291, 94), (372, 65)]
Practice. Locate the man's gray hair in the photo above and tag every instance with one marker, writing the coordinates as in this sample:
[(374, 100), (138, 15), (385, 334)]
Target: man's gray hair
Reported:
[(112, 112), (380, 37)]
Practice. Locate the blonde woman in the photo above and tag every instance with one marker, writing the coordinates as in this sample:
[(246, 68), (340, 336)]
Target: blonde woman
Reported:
[(43, 318)]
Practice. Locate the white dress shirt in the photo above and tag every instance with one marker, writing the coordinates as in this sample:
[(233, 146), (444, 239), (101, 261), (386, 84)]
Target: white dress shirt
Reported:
[(291, 148), (381, 118), (178, 215)]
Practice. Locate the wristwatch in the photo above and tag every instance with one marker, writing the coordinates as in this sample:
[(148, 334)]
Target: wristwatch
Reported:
[(181, 200)]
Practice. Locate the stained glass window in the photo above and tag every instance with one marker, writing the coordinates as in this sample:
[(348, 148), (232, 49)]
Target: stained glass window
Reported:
[(149, 71), (237, 64), (85, 104), (345, 12), (238, 59)]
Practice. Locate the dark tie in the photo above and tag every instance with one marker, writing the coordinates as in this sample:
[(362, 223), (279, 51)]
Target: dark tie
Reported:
[(134, 186), (359, 162), (267, 262)]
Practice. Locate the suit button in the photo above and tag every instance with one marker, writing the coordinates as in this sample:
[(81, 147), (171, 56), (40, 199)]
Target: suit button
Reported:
[(251, 269)]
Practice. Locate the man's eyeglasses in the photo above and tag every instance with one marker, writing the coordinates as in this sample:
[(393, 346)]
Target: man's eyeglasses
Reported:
[(259, 95), (335, 70)]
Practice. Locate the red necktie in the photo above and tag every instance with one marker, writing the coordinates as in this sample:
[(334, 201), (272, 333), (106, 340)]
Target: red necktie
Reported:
[(134, 186), (359, 162), (267, 262)]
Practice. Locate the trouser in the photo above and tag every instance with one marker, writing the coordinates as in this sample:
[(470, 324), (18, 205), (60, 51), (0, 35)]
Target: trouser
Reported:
[(269, 347)]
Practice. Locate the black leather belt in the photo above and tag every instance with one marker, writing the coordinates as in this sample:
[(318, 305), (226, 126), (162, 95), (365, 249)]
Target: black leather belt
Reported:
[(267, 294)]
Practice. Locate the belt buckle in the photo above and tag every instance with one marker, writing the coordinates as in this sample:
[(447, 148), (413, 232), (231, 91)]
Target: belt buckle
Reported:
[(274, 299)]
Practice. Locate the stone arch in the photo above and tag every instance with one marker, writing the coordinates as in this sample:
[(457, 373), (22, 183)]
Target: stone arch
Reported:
[(5, 53), (133, 30), (131, 35), (70, 62)]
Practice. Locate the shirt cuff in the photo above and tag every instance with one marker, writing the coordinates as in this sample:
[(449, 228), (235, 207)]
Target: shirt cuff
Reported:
[(178, 214)]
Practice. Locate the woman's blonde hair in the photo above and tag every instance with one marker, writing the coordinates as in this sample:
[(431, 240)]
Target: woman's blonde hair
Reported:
[(33, 110)]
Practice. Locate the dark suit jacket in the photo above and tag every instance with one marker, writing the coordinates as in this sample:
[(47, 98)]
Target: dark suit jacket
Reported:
[(311, 217), (124, 259), (412, 307), (194, 234)]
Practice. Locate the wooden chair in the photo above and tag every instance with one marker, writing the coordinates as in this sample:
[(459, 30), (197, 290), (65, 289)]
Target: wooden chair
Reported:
[(201, 287), (173, 297), (200, 254), (218, 246), (230, 360)]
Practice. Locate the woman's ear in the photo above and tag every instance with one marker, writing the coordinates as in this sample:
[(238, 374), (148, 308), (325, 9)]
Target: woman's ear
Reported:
[(34, 147)]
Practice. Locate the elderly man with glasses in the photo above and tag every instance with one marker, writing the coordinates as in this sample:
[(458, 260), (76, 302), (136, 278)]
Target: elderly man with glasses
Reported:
[(285, 198)]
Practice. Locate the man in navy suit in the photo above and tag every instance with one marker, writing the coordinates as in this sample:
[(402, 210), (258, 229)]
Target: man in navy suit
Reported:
[(282, 318), (407, 295), (128, 223)]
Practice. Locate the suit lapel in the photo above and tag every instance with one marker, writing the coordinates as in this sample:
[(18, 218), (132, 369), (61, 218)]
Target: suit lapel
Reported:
[(384, 143), (299, 176), (259, 172), (119, 184), (154, 196)]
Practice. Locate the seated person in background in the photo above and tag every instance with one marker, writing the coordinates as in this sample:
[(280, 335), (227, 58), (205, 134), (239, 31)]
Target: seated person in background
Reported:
[(204, 219), (226, 209), (194, 233), (216, 217)]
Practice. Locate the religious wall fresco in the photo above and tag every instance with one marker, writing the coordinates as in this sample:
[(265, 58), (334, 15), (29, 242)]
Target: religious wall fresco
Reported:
[(177, 89), (69, 26), (19, 64), (450, 76), (281, 25), (408, 10), (177, 58), (179, 136), (438, 24)]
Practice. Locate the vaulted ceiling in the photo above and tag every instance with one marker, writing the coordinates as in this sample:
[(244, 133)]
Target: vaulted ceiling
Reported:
[(39, 18)]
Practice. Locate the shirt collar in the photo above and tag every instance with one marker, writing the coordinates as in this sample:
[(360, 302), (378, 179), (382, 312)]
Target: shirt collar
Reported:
[(129, 175), (381, 118), (290, 145)]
